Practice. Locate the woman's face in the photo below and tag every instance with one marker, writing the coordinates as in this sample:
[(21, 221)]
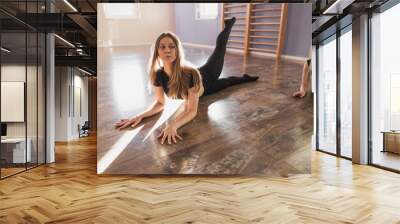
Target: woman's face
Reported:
[(167, 50)]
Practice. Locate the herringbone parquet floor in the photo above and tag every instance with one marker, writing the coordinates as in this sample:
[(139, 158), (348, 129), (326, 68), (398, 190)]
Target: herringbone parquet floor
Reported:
[(69, 191)]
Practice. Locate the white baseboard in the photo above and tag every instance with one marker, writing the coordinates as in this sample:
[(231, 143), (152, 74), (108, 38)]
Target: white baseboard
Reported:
[(211, 47), (255, 54), (294, 58), (262, 54)]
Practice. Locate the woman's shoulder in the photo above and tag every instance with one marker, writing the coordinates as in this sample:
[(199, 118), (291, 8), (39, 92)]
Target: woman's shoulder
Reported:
[(161, 78), (160, 73)]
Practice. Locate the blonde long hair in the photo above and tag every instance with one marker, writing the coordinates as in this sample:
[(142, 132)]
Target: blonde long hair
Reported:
[(179, 80)]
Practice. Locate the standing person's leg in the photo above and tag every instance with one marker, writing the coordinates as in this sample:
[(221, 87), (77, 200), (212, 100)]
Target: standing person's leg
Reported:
[(212, 69)]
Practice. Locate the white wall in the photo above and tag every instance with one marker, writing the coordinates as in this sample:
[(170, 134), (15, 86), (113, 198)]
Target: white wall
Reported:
[(82, 82), (62, 81), (79, 117), (68, 82), (144, 30), (17, 73)]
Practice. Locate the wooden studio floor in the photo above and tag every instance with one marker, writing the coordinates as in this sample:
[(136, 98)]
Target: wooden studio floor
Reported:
[(70, 191), (250, 129)]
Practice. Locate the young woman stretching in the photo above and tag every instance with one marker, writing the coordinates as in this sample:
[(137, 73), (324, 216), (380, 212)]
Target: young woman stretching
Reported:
[(170, 74)]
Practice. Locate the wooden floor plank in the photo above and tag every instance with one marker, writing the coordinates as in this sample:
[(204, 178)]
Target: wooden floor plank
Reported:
[(254, 128)]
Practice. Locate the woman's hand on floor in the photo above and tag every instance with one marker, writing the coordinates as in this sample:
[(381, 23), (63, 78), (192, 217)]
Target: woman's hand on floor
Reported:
[(300, 94), (170, 134), (124, 123)]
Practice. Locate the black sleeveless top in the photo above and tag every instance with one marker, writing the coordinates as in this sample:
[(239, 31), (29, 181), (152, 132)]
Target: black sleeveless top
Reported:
[(162, 79)]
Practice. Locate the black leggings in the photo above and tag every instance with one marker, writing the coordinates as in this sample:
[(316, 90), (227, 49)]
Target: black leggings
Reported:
[(212, 69)]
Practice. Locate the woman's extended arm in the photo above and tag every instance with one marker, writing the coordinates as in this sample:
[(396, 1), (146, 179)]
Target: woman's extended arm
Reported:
[(155, 108), (190, 111)]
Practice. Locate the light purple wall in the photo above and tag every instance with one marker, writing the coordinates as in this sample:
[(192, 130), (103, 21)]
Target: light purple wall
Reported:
[(298, 30), (195, 31)]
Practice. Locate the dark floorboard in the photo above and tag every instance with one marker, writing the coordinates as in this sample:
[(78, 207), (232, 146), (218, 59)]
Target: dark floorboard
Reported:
[(250, 129)]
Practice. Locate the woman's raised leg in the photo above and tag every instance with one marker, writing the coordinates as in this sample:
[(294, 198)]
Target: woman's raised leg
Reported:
[(212, 69)]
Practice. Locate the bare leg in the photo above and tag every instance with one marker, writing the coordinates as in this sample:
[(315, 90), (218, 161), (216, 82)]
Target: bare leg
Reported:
[(304, 81)]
